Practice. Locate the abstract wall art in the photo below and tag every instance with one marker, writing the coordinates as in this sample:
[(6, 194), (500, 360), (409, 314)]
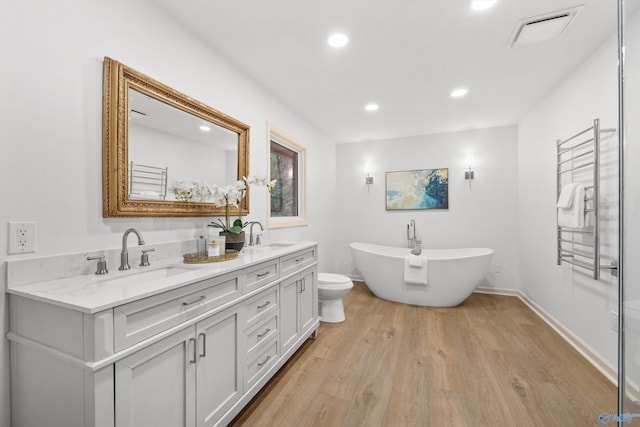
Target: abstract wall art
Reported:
[(418, 189)]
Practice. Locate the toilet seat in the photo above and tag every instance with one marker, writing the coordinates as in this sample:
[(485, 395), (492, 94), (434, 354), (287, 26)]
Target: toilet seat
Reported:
[(330, 279)]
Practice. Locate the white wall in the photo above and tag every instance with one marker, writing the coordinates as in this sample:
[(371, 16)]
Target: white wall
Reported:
[(51, 119), (481, 216), (580, 303)]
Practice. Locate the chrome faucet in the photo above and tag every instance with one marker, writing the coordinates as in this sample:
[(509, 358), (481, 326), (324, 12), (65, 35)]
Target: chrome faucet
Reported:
[(251, 242), (124, 255), (411, 234)]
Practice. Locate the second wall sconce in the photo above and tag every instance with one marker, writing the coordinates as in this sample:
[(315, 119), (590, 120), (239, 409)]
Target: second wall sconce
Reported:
[(368, 180), (469, 174)]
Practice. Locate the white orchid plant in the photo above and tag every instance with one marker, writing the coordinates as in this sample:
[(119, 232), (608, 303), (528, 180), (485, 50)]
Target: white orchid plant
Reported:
[(188, 191), (234, 195)]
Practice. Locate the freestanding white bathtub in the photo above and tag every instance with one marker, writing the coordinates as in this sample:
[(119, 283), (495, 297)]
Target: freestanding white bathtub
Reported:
[(452, 274)]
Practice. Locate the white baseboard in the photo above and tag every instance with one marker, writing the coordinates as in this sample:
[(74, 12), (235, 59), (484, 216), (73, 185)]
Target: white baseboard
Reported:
[(497, 291), (592, 356)]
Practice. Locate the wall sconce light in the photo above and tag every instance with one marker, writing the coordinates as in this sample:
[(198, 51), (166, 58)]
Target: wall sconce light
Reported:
[(469, 174), (368, 180)]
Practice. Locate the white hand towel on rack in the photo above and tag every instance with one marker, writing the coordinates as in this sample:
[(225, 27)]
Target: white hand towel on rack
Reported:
[(566, 195), (415, 269), (573, 216)]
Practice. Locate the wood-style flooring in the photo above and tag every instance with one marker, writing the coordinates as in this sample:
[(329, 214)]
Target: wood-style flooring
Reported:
[(488, 362)]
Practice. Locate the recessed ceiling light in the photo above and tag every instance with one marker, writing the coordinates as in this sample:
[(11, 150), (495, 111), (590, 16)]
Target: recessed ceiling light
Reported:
[(479, 5), (338, 40), (459, 93), (371, 107), (205, 128)]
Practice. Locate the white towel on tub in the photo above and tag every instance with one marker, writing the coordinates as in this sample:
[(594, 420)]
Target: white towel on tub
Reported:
[(415, 269)]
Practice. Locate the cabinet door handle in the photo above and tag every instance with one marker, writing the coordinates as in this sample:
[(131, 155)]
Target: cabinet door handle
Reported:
[(264, 333), (260, 307), (186, 304), (261, 364), (260, 275), (193, 340), (204, 343)]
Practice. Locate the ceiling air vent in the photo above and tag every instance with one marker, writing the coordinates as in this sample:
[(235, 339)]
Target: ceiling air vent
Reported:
[(550, 26)]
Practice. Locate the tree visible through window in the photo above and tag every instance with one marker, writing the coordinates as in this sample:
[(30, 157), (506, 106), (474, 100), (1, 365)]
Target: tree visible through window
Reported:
[(284, 168)]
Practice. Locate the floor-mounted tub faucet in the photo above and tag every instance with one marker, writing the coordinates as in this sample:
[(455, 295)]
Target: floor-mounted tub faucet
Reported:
[(124, 255), (411, 234)]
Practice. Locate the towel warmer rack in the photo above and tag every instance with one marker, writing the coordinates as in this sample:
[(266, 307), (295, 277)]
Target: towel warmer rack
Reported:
[(147, 182), (581, 152)]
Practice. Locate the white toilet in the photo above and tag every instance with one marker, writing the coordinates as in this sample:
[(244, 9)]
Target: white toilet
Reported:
[(331, 289)]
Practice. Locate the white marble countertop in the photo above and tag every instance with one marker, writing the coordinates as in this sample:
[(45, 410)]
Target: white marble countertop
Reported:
[(94, 293)]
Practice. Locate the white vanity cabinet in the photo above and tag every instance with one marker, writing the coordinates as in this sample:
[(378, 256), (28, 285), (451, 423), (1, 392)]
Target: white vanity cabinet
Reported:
[(190, 378), (156, 386), (299, 301), (188, 355), (220, 346)]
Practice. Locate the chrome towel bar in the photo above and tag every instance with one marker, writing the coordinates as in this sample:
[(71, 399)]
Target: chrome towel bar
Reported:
[(573, 154)]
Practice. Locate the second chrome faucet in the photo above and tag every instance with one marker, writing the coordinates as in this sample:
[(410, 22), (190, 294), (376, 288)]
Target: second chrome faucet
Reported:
[(257, 242)]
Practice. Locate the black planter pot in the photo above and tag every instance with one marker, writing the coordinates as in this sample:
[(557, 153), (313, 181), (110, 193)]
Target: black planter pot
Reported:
[(233, 241)]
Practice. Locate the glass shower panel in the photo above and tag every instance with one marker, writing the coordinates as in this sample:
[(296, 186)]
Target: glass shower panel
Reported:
[(630, 293)]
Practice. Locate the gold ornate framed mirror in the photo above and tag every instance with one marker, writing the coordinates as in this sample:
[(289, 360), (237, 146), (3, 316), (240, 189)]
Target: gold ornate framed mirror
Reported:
[(162, 149)]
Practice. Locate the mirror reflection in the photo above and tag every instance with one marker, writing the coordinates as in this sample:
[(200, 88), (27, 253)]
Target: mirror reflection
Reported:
[(173, 154)]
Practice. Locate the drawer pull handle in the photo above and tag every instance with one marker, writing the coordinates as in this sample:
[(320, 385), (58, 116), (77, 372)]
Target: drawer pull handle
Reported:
[(260, 275), (264, 333), (193, 340), (260, 307), (186, 304), (261, 364), (299, 259), (204, 344)]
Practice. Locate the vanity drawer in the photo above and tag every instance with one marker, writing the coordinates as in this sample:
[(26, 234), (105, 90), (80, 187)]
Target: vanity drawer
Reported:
[(260, 275), (261, 333), (261, 306), (293, 262), (257, 366), (139, 320)]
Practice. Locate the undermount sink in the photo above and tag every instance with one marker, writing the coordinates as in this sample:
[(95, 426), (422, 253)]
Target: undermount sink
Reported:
[(276, 245), (149, 275), (265, 247)]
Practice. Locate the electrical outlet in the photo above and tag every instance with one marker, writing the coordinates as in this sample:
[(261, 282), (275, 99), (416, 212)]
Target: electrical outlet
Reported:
[(614, 320), (22, 237)]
